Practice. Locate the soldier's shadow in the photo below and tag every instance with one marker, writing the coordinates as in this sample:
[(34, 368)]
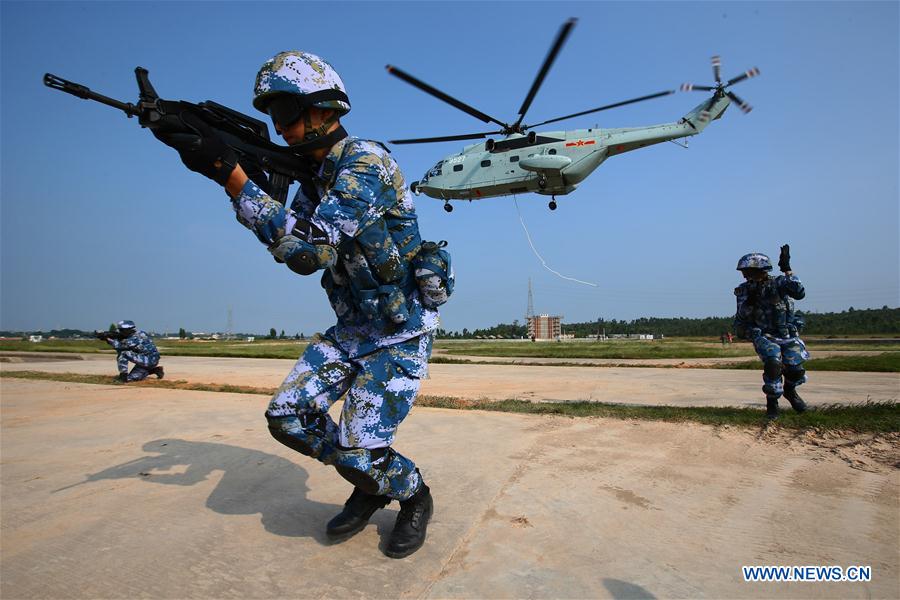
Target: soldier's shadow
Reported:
[(252, 482)]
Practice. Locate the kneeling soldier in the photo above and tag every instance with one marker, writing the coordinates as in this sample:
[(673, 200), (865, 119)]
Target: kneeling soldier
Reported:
[(133, 345)]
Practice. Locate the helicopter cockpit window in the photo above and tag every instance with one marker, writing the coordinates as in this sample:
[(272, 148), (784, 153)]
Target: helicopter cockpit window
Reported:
[(457, 167), (434, 172), (485, 163)]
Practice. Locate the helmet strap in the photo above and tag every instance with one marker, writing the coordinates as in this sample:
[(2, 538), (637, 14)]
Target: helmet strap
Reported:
[(315, 132), (317, 138)]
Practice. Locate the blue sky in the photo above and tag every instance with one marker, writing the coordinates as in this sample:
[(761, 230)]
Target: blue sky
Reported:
[(101, 222)]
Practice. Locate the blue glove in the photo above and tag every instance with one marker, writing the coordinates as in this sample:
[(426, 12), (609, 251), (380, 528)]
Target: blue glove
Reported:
[(302, 257)]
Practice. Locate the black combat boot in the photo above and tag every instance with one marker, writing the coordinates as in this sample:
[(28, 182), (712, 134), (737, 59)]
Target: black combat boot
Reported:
[(358, 509), (158, 371), (409, 530), (794, 398), (123, 377), (771, 408)]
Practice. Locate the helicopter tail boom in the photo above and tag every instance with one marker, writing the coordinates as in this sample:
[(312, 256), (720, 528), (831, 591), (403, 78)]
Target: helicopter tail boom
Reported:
[(620, 141)]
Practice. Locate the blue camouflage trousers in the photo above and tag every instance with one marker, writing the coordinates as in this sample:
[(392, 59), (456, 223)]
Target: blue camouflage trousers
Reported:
[(143, 364), (789, 354), (378, 391)]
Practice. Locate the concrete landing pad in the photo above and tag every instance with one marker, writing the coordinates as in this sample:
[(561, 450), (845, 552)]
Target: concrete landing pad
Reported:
[(134, 492), (624, 385)]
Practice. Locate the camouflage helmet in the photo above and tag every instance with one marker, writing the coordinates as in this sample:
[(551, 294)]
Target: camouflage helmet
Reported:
[(754, 260), (302, 74), (125, 325)]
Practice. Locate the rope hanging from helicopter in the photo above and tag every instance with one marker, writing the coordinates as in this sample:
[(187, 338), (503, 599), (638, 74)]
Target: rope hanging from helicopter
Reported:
[(541, 258)]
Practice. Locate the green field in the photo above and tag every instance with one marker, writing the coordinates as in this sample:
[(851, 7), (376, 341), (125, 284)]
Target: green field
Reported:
[(668, 348), (887, 361), (227, 348)]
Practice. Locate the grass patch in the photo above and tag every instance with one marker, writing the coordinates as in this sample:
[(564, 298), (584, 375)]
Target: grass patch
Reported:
[(887, 362), (83, 346), (172, 384), (871, 416), (449, 360), (608, 349), (291, 349), (868, 417)]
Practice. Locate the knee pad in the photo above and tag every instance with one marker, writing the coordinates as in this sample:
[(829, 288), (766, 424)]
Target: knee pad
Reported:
[(794, 375), (364, 468), (772, 369), (772, 385), (306, 434)]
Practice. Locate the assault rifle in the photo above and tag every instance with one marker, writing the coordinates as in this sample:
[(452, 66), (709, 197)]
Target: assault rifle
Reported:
[(109, 335), (248, 137)]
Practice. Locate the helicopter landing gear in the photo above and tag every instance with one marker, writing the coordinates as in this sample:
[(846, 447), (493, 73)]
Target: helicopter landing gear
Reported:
[(552, 204), (447, 207), (542, 181)]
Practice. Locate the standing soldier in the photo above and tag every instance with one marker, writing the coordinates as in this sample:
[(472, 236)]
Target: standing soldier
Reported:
[(353, 219), (133, 345), (765, 315)]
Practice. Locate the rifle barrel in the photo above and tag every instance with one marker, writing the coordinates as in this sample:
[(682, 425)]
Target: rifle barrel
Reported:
[(84, 92)]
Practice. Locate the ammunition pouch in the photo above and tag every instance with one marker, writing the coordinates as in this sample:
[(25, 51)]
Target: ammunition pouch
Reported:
[(434, 273)]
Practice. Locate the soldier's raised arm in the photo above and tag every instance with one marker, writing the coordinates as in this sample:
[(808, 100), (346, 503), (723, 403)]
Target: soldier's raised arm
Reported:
[(788, 283)]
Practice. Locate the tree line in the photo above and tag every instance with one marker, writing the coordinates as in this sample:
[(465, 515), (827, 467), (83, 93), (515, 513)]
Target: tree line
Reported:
[(883, 321), (869, 321)]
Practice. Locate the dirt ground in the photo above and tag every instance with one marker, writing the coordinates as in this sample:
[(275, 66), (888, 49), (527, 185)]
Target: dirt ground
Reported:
[(125, 492)]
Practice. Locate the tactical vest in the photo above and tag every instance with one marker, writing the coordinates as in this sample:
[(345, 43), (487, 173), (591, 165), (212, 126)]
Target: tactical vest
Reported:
[(767, 309), (372, 277)]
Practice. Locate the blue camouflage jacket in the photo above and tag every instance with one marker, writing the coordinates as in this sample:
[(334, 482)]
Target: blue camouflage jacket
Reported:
[(139, 343), (361, 202), (767, 307)]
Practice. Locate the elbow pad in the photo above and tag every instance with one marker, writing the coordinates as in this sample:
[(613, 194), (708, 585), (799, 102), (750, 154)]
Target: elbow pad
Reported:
[(302, 257)]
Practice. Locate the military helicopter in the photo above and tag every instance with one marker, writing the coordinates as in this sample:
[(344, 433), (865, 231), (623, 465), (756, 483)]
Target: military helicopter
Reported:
[(551, 163)]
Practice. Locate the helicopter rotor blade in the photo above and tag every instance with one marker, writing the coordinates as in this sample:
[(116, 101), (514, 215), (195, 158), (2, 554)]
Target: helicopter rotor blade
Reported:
[(687, 87), (716, 65), (608, 106), (745, 75), (446, 138), (741, 104), (564, 32), (442, 96)]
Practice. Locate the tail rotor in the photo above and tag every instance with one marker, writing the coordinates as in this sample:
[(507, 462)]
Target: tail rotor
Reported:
[(721, 89)]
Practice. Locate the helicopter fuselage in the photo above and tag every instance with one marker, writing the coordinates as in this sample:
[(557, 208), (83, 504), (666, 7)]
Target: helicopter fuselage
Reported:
[(549, 163)]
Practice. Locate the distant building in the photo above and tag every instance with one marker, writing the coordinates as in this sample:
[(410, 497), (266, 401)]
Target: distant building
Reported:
[(544, 327)]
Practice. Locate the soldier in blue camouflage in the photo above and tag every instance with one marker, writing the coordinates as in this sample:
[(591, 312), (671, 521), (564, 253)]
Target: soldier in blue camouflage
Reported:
[(135, 346), (765, 315), (355, 221)]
